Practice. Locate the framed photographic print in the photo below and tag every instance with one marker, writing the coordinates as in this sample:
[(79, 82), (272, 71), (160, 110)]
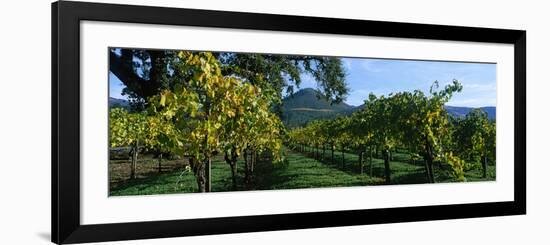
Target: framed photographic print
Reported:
[(175, 122)]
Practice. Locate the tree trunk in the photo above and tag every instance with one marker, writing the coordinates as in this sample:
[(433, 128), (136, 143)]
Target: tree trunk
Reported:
[(200, 174), (387, 170), (485, 166), (343, 158), (332, 153), (430, 169), (429, 162), (208, 173), (427, 169), (248, 166), (234, 174), (206, 165), (361, 162), (201, 180), (256, 157), (231, 159), (133, 166), (370, 162)]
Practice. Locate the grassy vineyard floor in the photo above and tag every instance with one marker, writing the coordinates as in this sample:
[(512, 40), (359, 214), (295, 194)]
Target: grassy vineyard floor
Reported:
[(403, 170), (299, 170)]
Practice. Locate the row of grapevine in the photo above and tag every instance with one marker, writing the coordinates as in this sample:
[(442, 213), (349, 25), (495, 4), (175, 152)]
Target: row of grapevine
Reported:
[(409, 120), (207, 115)]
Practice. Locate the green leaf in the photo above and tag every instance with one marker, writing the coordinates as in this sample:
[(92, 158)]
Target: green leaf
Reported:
[(163, 99)]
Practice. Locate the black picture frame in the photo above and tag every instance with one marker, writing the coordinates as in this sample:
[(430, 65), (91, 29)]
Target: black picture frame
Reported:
[(66, 18)]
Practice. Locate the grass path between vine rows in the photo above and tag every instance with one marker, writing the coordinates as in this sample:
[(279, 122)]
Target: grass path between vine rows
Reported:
[(299, 170)]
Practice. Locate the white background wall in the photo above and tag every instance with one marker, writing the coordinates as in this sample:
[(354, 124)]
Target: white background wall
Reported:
[(25, 121)]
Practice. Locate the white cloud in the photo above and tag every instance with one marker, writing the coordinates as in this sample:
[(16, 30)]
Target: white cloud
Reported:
[(480, 86), (472, 102), (370, 66), (347, 64)]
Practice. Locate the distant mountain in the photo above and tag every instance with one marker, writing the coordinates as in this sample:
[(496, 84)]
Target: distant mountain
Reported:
[(308, 105), (114, 103), (311, 98), (463, 111)]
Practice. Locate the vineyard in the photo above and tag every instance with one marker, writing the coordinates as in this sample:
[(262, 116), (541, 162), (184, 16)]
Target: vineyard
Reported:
[(216, 122)]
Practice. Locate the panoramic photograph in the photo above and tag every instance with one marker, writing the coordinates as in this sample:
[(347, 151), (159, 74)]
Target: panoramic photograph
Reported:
[(183, 121)]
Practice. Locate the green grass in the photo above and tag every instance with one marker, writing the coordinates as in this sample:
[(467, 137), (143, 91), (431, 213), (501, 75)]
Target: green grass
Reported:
[(299, 170), (403, 170), (179, 182)]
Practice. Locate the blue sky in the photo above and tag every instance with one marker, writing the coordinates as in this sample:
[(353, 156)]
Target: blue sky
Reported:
[(383, 76), (115, 87)]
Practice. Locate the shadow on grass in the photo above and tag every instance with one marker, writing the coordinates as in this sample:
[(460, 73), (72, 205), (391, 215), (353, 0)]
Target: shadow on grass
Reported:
[(301, 171), (417, 177), (144, 182), (402, 172)]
